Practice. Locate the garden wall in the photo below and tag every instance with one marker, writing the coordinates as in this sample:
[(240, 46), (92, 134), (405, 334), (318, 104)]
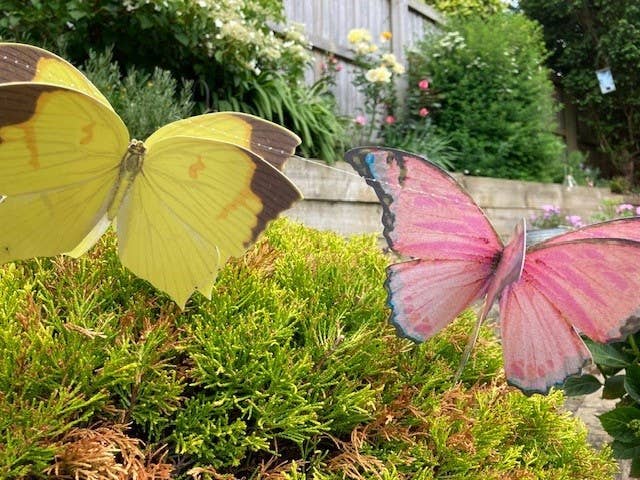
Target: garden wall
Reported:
[(337, 199)]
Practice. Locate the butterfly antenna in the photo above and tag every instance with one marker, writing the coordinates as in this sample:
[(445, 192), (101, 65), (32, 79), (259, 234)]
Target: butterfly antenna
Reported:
[(469, 348)]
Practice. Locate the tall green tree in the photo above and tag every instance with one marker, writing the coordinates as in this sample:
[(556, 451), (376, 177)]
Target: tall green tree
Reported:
[(587, 35)]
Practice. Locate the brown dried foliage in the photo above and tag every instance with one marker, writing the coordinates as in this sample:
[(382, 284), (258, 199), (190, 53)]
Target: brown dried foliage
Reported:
[(201, 473), (401, 421), (105, 452), (261, 259)]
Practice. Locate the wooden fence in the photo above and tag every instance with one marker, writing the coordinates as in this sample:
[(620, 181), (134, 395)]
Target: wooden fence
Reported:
[(327, 23), (337, 199)]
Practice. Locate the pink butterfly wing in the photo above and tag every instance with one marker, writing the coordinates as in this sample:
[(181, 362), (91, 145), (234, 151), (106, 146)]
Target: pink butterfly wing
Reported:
[(427, 215), (588, 285), (628, 228), (426, 295)]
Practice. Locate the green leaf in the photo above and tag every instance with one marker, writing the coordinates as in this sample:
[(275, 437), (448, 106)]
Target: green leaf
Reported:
[(182, 38), (613, 387), (625, 450), (632, 382), (617, 423), (607, 355), (581, 385), (145, 22), (635, 467), (77, 14)]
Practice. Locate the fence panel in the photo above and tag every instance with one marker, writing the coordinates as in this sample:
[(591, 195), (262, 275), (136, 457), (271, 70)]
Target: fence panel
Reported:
[(327, 23)]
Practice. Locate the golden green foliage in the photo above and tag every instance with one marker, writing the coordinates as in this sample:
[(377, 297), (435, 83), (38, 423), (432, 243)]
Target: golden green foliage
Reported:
[(290, 371)]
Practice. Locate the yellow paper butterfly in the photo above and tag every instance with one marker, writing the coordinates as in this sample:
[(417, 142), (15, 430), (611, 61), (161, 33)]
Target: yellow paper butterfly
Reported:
[(195, 193)]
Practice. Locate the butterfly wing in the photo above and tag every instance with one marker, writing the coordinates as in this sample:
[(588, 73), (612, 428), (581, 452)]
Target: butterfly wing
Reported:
[(59, 156), (272, 142), (196, 203), (426, 295), (628, 228), (426, 213), (26, 63), (429, 216), (589, 285)]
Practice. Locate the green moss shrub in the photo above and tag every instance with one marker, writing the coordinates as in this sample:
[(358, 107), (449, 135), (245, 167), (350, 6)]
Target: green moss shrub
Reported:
[(290, 371)]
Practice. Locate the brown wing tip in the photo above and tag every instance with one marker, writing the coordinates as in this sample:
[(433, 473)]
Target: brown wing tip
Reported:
[(276, 192), (272, 142), (19, 62)]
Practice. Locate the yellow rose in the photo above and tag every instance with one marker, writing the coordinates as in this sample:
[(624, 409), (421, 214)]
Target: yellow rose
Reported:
[(389, 59), (398, 68), (358, 35), (378, 75), (362, 48)]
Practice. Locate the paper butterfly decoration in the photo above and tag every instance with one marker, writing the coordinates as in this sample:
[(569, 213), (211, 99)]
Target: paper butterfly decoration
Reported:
[(585, 281), (195, 193)]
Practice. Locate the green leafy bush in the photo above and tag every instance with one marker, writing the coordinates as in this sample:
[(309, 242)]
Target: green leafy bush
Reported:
[(290, 371), (490, 95), (225, 47), (467, 8), (144, 102)]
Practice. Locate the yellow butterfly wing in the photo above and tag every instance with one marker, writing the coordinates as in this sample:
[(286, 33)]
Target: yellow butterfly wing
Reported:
[(196, 203), (59, 159), (273, 143), (26, 63)]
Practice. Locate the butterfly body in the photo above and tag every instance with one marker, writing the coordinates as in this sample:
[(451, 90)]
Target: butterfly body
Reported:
[(130, 167), (196, 192), (583, 282)]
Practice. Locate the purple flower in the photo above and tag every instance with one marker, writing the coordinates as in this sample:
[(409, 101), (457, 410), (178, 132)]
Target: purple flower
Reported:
[(550, 211), (574, 220), (624, 207)]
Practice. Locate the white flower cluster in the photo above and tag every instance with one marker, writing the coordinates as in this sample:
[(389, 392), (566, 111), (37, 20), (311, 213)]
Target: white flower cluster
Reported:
[(235, 35), (452, 41), (253, 40)]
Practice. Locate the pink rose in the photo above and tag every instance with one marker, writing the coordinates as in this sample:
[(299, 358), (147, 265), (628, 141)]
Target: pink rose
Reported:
[(360, 120), (390, 120), (423, 112), (423, 84)]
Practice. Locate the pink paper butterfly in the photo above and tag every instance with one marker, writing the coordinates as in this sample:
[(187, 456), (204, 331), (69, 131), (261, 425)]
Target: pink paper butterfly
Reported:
[(586, 281)]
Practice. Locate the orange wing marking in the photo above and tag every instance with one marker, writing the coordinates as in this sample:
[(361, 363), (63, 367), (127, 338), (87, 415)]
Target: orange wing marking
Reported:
[(196, 167), (88, 133), (241, 201), (30, 139)]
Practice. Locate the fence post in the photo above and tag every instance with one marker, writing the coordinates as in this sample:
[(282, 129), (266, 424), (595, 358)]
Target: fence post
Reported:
[(399, 21)]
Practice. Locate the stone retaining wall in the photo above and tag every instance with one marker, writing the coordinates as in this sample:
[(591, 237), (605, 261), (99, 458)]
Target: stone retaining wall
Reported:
[(338, 199)]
